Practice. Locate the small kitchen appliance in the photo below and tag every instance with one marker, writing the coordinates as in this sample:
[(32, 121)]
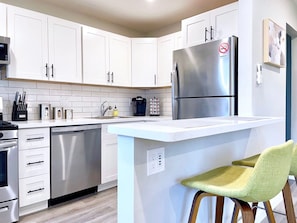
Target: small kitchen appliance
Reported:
[(139, 106), (4, 50)]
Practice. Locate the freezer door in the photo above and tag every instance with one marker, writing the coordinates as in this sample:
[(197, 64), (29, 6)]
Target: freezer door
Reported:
[(204, 107), (206, 70)]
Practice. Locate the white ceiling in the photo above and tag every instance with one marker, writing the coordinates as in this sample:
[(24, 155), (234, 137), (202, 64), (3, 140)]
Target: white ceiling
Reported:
[(139, 15)]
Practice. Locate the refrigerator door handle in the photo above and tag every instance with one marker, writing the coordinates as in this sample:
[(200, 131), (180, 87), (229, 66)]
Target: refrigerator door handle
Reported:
[(175, 92)]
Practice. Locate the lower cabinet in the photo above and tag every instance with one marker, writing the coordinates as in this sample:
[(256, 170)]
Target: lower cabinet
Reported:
[(34, 177), (109, 144)]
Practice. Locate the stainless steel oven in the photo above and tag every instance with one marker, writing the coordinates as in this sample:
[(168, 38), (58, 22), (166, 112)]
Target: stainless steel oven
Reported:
[(9, 211)]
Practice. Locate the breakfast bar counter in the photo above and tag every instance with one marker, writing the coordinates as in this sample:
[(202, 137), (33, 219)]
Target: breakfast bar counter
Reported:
[(153, 157)]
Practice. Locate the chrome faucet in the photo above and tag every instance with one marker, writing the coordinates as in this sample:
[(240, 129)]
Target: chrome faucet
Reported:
[(103, 109)]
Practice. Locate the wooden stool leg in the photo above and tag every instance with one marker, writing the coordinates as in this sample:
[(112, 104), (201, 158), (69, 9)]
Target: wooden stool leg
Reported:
[(269, 212), (235, 214), (246, 211), (195, 205), (289, 207), (255, 208), (219, 209)]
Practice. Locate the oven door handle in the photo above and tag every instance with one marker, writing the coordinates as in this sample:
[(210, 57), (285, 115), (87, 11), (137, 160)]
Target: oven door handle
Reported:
[(7, 145)]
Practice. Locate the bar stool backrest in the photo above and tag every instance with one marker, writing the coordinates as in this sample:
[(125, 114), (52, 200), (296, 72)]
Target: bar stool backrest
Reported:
[(270, 173)]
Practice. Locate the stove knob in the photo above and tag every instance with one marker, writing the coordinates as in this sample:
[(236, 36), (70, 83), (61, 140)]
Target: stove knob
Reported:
[(1, 134)]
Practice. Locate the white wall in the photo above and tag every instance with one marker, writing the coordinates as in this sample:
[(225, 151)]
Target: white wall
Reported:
[(267, 99)]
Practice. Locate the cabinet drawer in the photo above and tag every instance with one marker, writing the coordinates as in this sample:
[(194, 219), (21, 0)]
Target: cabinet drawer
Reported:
[(33, 162), (33, 138), (34, 189)]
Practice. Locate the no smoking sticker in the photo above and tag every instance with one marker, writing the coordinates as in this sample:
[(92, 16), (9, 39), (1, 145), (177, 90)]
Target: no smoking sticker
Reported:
[(224, 48)]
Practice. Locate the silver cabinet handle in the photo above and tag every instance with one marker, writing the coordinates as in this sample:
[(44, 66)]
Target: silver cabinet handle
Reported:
[(205, 34), (37, 162), (32, 191), (36, 138), (108, 76), (46, 70), (52, 71), (111, 77), (211, 32)]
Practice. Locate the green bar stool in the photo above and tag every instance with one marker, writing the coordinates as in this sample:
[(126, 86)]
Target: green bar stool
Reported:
[(243, 184), (286, 191)]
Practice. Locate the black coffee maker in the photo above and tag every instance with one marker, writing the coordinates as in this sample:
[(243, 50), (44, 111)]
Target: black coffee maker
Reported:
[(139, 106)]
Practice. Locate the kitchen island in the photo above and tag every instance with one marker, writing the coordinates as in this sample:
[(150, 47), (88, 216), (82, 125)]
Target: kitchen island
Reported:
[(150, 191)]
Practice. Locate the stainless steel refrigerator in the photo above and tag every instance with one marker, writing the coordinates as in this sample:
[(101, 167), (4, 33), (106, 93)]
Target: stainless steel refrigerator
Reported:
[(204, 80)]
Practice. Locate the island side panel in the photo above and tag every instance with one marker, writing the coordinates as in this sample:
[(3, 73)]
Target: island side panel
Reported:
[(125, 179)]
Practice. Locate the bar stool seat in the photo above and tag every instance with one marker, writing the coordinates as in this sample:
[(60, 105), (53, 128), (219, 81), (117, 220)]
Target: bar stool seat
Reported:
[(287, 196), (244, 184)]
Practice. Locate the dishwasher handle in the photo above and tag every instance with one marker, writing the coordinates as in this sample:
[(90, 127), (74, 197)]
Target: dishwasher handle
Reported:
[(78, 128)]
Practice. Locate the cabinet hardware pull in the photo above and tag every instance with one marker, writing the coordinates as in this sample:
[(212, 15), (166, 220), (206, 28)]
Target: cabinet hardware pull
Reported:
[(32, 191), (111, 77), (37, 138), (46, 70), (205, 34), (3, 209), (37, 162), (52, 71), (211, 32), (108, 76), (155, 79)]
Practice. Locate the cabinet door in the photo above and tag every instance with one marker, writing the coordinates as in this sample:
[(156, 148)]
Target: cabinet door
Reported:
[(2, 19), (64, 50), (28, 35), (120, 60), (95, 56), (144, 62), (166, 46), (194, 29), (109, 161), (225, 21)]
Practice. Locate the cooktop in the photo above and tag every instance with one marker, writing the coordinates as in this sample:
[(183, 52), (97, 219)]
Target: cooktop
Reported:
[(4, 125)]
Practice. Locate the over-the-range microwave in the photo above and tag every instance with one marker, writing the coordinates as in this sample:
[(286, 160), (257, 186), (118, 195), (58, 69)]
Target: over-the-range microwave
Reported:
[(4, 50)]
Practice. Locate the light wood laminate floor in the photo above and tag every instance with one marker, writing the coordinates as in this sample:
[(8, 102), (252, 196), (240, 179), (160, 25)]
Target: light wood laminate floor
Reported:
[(102, 208), (98, 208)]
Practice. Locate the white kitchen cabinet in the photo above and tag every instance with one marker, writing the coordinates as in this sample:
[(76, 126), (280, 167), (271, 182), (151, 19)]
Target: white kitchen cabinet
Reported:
[(2, 19), (119, 60), (95, 56), (109, 153), (166, 45), (34, 177), (106, 58), (144, 62), (215, 24), (43, 47)]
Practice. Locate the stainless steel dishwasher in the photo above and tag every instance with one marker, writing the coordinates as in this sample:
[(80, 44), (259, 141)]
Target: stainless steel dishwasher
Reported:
[(75, 159)]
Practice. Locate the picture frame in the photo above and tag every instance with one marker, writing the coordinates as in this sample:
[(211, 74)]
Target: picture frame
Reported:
[(274, 44)]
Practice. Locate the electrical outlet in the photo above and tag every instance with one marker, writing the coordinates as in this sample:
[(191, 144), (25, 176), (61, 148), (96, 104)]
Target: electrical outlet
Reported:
[(155, 161)]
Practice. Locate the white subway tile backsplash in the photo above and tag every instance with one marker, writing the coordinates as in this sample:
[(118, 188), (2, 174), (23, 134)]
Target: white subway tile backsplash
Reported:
[(85, 100)]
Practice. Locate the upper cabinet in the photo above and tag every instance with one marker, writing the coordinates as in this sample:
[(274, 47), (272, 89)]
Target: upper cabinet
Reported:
[(215, 24), (43, 47), (144, 62), (106, 58), (166, 45), (2, 19)]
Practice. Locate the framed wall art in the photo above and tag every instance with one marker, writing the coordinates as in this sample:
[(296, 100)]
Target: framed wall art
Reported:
[(274, 44)]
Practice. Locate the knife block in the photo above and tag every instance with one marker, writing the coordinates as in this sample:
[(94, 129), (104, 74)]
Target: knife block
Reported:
[(19, 112)]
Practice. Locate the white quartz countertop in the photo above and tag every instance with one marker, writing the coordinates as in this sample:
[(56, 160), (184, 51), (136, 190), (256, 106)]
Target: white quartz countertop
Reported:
[(86, 121), (177, 130)]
